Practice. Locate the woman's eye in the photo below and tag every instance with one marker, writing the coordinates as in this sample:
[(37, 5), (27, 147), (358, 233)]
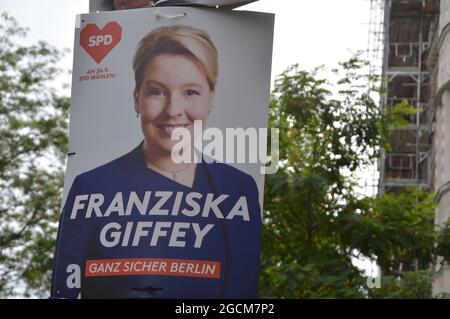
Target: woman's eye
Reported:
[(192, 93), (155, 91)]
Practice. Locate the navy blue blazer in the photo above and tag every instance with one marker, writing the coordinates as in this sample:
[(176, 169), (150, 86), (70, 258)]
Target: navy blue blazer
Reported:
[(232, 243)]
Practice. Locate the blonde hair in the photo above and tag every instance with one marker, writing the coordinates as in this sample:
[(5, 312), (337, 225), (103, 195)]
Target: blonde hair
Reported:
[(184, 40)]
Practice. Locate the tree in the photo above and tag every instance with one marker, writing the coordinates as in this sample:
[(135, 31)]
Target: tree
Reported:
[(33, 143), (315, 222), (397, 231)]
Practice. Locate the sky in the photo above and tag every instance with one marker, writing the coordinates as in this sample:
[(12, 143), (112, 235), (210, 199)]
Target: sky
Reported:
[(310, 33)]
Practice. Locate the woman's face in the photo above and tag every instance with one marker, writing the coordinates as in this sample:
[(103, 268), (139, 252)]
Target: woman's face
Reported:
[(174, 93)]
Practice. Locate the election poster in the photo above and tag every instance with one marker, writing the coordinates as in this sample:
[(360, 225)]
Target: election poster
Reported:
[(163, 190)]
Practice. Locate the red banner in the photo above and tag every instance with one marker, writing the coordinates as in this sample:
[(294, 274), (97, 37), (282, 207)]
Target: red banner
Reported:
[(152, 266)]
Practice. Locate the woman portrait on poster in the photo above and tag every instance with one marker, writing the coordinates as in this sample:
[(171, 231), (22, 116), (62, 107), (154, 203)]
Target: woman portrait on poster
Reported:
[(175, 70)]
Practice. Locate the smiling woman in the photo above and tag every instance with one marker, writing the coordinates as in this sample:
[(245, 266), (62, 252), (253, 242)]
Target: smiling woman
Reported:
[(175, 74), (176, 71)]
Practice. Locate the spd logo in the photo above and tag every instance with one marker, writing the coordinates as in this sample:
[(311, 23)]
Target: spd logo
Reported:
[(99, 42)]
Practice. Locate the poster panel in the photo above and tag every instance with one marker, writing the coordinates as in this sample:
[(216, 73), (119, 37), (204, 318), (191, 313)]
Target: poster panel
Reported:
[(104, 5), (135, 222)]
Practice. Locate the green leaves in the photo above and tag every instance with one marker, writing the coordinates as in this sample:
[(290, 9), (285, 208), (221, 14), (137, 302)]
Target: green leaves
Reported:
[(33, 142), (396, 229), (410, 285), (315, 223)]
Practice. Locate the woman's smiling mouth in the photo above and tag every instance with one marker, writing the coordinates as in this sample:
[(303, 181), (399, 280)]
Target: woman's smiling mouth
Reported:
[(169, 128)]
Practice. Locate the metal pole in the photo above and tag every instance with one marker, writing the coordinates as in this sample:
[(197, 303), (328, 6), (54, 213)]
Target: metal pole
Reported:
[(419, 88), (383, 99)]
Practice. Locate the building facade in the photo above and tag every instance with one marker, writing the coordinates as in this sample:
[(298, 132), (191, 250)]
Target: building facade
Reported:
[(409, 29), (439, 64), (417, 67)]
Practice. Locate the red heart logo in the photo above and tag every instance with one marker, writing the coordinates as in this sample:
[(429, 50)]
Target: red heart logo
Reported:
[(99, 42)]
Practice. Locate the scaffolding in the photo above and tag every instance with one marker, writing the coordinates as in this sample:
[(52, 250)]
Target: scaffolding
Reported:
[(375, 55), (406, 39), (376, 37)]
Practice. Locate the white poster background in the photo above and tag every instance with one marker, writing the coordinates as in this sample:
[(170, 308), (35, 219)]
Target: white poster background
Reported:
[(103, 123)]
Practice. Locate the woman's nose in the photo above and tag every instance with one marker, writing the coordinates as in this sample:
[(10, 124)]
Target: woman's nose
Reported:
[(174, 107)]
